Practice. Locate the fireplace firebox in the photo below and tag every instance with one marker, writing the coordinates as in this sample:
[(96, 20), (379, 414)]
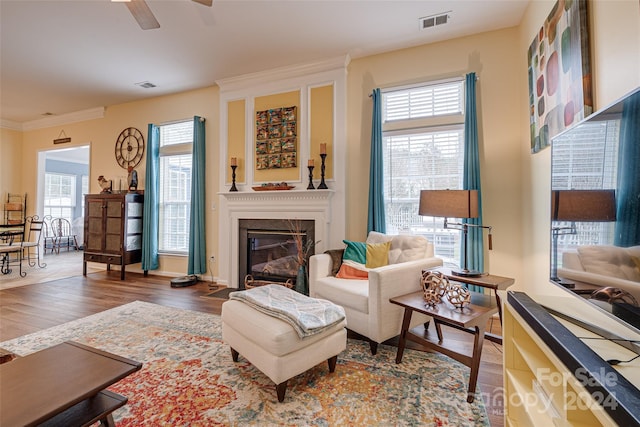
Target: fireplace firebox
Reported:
[(268, 250)]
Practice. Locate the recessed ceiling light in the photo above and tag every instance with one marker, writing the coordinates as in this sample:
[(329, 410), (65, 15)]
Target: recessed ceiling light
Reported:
[(146, 85)]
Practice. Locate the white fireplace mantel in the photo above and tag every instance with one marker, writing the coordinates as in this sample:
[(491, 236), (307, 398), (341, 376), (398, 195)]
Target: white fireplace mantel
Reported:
[(326, 207), (313, 205)]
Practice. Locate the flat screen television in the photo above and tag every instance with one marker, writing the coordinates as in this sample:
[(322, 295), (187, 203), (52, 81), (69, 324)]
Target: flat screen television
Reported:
[(595, 208)]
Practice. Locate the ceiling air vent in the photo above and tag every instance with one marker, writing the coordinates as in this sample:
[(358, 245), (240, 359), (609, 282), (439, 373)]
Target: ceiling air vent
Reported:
[(434, 20)]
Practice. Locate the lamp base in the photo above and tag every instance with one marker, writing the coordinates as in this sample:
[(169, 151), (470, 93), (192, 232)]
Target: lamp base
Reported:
[(467, 273)]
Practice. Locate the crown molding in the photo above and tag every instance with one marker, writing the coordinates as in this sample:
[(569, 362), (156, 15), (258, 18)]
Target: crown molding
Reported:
[(8, 124), (282, 73), (63, 119)]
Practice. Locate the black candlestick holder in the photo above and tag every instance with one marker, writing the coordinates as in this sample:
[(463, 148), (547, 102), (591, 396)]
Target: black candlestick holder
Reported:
[(310, 186), (233, 178), (322, 185)]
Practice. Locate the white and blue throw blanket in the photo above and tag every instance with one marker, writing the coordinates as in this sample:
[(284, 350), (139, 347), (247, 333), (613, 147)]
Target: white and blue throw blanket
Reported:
[(308, 316)]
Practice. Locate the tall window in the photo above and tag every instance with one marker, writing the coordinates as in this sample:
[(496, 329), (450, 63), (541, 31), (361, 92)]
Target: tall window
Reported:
[(586, 159), (176, 144), (423, 149), (59, 195)]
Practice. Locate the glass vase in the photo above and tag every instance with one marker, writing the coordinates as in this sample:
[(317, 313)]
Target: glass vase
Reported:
[(302, 285)]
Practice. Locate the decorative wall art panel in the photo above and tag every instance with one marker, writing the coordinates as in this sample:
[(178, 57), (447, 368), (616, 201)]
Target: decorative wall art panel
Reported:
[(559, 73), (276, 138)]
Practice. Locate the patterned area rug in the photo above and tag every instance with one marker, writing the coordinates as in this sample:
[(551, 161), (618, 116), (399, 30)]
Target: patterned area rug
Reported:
[(189, 379)]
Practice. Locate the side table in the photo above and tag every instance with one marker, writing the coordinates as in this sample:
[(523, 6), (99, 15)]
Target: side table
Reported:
[(472, 319), (490, 281)]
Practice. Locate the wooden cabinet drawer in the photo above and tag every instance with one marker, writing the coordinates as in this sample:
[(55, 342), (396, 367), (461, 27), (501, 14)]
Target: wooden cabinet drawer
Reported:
[(105, 259)]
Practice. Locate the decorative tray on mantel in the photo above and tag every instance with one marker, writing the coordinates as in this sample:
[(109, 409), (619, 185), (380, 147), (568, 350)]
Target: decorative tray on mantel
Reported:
[(271, 187)]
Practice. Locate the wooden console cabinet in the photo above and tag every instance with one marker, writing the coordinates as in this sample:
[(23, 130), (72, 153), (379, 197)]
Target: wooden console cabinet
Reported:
[(113, 230), (552, 378)]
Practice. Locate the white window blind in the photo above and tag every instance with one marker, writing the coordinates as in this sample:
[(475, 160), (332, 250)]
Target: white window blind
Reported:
[(59, 195), (176, 144), (424, 101), (586, 159), (420, 158)]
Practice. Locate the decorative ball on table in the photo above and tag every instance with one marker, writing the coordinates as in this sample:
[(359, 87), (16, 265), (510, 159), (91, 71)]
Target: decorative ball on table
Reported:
[(435, 285), (458, 296)]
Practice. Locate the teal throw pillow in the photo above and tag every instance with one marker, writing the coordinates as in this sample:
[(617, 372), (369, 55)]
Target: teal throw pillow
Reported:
[(355, 251)]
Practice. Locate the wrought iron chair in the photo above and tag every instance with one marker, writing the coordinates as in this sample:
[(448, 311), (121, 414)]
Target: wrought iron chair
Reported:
[(48, 236), (34, 232), (11, 240)]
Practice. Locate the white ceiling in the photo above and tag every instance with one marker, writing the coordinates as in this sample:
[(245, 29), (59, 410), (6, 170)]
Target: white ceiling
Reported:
[(67, 56)]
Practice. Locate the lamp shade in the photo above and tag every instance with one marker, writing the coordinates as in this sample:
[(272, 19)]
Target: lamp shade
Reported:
[(449, 203), (583, 205)]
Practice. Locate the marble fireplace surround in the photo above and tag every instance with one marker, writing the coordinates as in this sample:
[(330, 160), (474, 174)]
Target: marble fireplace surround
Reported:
[(318, 205)]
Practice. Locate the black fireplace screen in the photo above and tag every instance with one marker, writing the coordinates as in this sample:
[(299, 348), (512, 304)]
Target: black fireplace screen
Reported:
[(268, 249), (272, 255)]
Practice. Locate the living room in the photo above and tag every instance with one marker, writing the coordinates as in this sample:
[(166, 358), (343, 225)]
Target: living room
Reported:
[(515, 182)]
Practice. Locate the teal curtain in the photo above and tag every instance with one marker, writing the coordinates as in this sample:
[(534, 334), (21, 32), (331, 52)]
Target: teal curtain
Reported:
[(150, 212), (197, 233), (471, 177), (627, 228), (375, 220)]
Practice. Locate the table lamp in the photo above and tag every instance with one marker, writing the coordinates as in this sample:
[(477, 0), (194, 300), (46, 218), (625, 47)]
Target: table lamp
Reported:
[(577, 206), (454, 204)]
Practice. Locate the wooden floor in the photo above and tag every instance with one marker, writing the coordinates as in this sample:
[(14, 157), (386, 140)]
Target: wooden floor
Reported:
[(31, 308)]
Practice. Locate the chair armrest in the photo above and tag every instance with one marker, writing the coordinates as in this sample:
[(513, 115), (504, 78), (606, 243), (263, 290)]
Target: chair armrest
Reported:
[(319, 266), (395, 280)]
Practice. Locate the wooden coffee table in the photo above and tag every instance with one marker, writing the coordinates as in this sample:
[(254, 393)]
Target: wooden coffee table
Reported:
[(62, 385), (472, 319)]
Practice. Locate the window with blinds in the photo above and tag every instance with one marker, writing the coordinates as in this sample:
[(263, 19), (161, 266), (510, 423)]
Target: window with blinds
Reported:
[(591, 164), (59, 195), (429, 100), (422, 152), (176, 144)]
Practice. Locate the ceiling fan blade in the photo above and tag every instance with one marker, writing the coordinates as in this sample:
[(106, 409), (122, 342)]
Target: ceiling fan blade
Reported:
[(141, 12), (204, 2)]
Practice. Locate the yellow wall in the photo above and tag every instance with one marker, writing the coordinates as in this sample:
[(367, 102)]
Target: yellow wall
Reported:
[(515, 183), (494, 58), (101, 135), (321, 122), (615, 59), (236, 137), (10, 162), (288, 99)]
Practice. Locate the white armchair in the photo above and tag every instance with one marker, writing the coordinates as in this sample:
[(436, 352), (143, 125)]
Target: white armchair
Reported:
[(366, 302)]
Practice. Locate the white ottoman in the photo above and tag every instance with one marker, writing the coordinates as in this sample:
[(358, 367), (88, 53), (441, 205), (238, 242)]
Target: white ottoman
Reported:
[(274, 347)]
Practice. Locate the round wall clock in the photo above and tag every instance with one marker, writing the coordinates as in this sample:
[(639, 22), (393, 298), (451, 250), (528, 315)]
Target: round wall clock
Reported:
[(129, 148)]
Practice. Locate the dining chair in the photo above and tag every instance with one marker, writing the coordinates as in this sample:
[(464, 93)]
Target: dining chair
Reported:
[(11, 240), (63, 235), (33, 240)]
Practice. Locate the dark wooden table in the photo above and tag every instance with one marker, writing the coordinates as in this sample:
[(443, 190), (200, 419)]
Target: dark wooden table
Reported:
[(62, 385), (489, 281), (473, 319)]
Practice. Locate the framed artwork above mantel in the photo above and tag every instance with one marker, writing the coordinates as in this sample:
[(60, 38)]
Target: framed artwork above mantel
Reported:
[(560, 93), (276, 138)]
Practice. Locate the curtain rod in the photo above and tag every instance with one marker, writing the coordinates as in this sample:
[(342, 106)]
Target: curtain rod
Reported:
[(453, 79), (171, 122)]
